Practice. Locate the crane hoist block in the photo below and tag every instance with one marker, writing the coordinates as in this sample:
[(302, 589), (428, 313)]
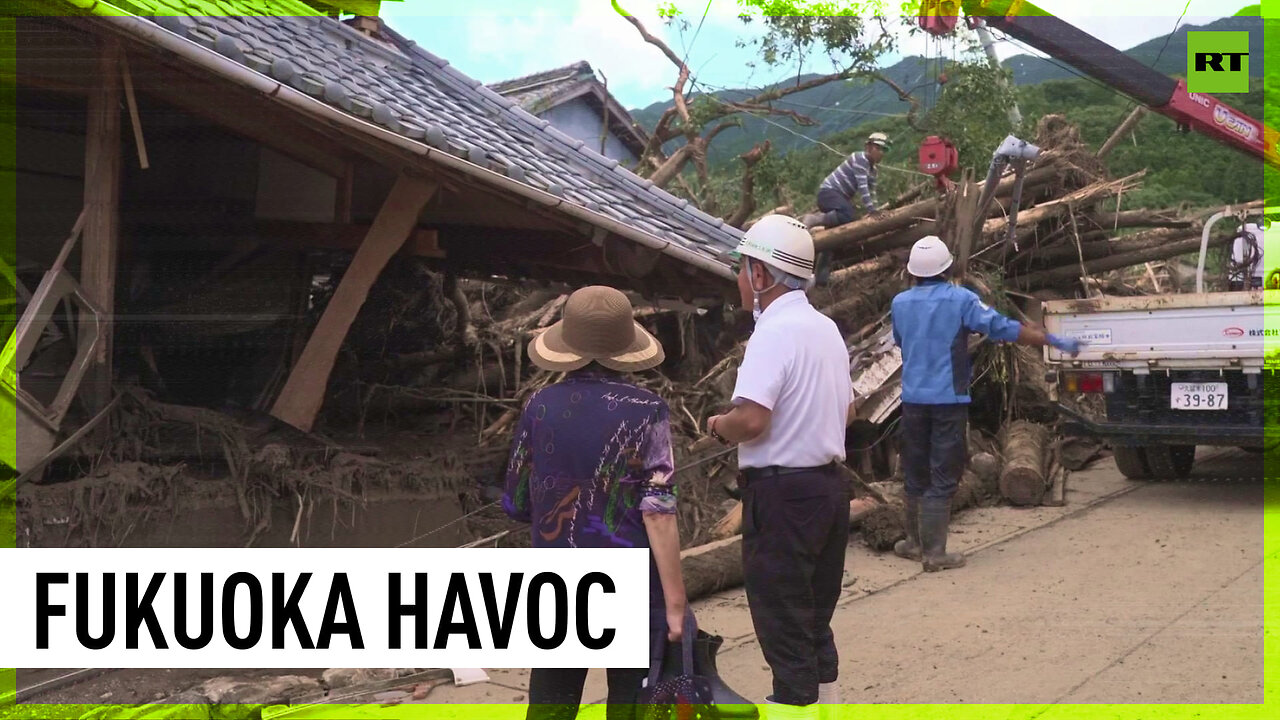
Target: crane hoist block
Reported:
[(939, 158)]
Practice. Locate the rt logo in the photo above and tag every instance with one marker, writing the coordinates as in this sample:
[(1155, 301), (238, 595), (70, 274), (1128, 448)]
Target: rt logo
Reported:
[(1218, 61)]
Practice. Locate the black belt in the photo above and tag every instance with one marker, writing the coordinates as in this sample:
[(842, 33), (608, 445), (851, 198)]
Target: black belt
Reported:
[(751, 475)]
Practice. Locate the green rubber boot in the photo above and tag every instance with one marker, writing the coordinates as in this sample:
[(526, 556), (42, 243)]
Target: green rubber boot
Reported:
[(909, 547)]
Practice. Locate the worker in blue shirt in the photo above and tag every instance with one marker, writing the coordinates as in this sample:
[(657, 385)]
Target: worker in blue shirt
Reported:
[(931, 323)]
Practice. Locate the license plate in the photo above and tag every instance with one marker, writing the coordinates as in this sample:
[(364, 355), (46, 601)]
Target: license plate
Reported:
[(1198, 396)]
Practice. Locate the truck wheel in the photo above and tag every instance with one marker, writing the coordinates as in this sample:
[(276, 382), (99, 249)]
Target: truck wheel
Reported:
[(1170, 462), (1132, 462)]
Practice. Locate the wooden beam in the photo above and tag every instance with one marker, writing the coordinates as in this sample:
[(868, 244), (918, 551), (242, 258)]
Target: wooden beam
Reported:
[(421, 242), (102, 164), (342, 195), (303, 393)]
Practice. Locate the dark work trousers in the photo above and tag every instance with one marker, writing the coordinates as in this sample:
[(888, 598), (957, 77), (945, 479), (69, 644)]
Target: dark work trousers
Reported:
[(555, 693), (795, 529), (831, 201), (934, 448)]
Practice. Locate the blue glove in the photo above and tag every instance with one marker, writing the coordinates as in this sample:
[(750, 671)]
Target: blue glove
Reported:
[(1068, 345)]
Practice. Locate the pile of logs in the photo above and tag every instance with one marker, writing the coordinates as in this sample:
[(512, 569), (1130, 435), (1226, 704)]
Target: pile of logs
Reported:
[(1069, 226)]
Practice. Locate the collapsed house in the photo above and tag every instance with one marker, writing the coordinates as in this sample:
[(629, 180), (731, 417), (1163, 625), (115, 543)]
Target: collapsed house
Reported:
[(207, 203)]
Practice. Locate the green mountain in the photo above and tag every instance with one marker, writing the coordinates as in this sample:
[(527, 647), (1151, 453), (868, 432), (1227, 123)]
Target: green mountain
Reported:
[(839, 107)]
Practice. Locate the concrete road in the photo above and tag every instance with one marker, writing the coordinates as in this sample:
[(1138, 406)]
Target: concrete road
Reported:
[(1131, 593), (1150, 596)]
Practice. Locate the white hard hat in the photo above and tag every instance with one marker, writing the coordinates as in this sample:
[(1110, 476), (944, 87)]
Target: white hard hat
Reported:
[(880, 139), (780, 241), (929, 257)]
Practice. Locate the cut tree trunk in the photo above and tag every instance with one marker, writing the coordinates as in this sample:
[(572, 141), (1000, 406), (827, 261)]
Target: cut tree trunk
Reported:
[(883, 525), (1082, 197), (1023, 481), (712, 567), (1163, 251), (905, 217)]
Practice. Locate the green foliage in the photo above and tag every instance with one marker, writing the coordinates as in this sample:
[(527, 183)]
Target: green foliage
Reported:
[(850, 41), (973, 111)]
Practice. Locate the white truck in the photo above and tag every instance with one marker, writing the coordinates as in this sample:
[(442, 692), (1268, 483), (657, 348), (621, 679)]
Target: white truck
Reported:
[(1175, 371)]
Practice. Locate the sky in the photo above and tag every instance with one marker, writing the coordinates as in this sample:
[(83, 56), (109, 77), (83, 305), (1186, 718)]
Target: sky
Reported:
[(494, 40)]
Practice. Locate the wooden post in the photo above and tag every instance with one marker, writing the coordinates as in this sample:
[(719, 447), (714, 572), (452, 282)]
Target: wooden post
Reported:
[(1124, 128), (102, 164), (303, 393), (966, 210), (342, 201)]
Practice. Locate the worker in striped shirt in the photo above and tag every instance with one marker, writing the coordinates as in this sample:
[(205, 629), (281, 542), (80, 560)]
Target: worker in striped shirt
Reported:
[(855, 178)]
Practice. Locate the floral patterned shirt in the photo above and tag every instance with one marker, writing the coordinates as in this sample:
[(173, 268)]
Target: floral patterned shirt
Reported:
[(590, 455)]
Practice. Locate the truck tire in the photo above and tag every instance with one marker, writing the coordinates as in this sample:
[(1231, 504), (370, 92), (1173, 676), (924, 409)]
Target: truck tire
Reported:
[(1170, 462), (1132, 462)]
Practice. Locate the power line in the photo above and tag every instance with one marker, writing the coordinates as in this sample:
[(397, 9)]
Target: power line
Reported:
[(1170, 35), (800, 135), (694, 39), (820, 143), (1069, 69)]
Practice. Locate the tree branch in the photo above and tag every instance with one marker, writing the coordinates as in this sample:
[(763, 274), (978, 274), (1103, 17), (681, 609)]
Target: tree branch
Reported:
[(719, 129), (671, 166), (747, 204), (902, 95)]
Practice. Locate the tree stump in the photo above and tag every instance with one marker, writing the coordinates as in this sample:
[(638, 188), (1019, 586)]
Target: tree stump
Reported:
[(1023, 479)]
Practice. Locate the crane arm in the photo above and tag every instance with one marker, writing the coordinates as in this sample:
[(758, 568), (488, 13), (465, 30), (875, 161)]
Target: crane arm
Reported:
[(1159, 92)]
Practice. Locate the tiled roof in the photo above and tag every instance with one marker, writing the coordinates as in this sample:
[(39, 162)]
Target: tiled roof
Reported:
[(545, 90), (532, 92), (411, 92)]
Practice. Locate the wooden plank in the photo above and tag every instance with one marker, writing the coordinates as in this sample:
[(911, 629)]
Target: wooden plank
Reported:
[(102, 214), (303, 393), (138, 139)]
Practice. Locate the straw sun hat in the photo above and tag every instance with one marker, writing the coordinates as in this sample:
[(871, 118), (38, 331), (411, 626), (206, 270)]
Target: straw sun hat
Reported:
[(597, 325)]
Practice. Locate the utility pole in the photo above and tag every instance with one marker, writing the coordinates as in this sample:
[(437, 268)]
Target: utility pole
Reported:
[(988, 42)]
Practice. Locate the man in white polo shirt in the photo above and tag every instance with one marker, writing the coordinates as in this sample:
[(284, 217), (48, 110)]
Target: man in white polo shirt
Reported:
[(792, 401)]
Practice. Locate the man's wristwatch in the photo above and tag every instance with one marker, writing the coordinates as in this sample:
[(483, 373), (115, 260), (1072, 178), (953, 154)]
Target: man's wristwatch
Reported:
[(717, 435)]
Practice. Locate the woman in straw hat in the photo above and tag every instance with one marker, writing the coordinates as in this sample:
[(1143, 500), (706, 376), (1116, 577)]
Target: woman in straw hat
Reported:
[(591, 466)]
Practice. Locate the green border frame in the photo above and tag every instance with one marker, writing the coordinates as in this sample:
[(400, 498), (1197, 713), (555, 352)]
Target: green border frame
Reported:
[(1270, 10)]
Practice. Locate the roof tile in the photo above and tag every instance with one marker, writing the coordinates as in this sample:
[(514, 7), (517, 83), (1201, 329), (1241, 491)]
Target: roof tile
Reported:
[(419, 95)]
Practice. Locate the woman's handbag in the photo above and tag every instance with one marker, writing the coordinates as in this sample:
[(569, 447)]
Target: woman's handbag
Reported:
[(683, 683)]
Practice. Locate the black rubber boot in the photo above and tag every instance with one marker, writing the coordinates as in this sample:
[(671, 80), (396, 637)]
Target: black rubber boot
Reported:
[(909, 547), (935, 516)]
